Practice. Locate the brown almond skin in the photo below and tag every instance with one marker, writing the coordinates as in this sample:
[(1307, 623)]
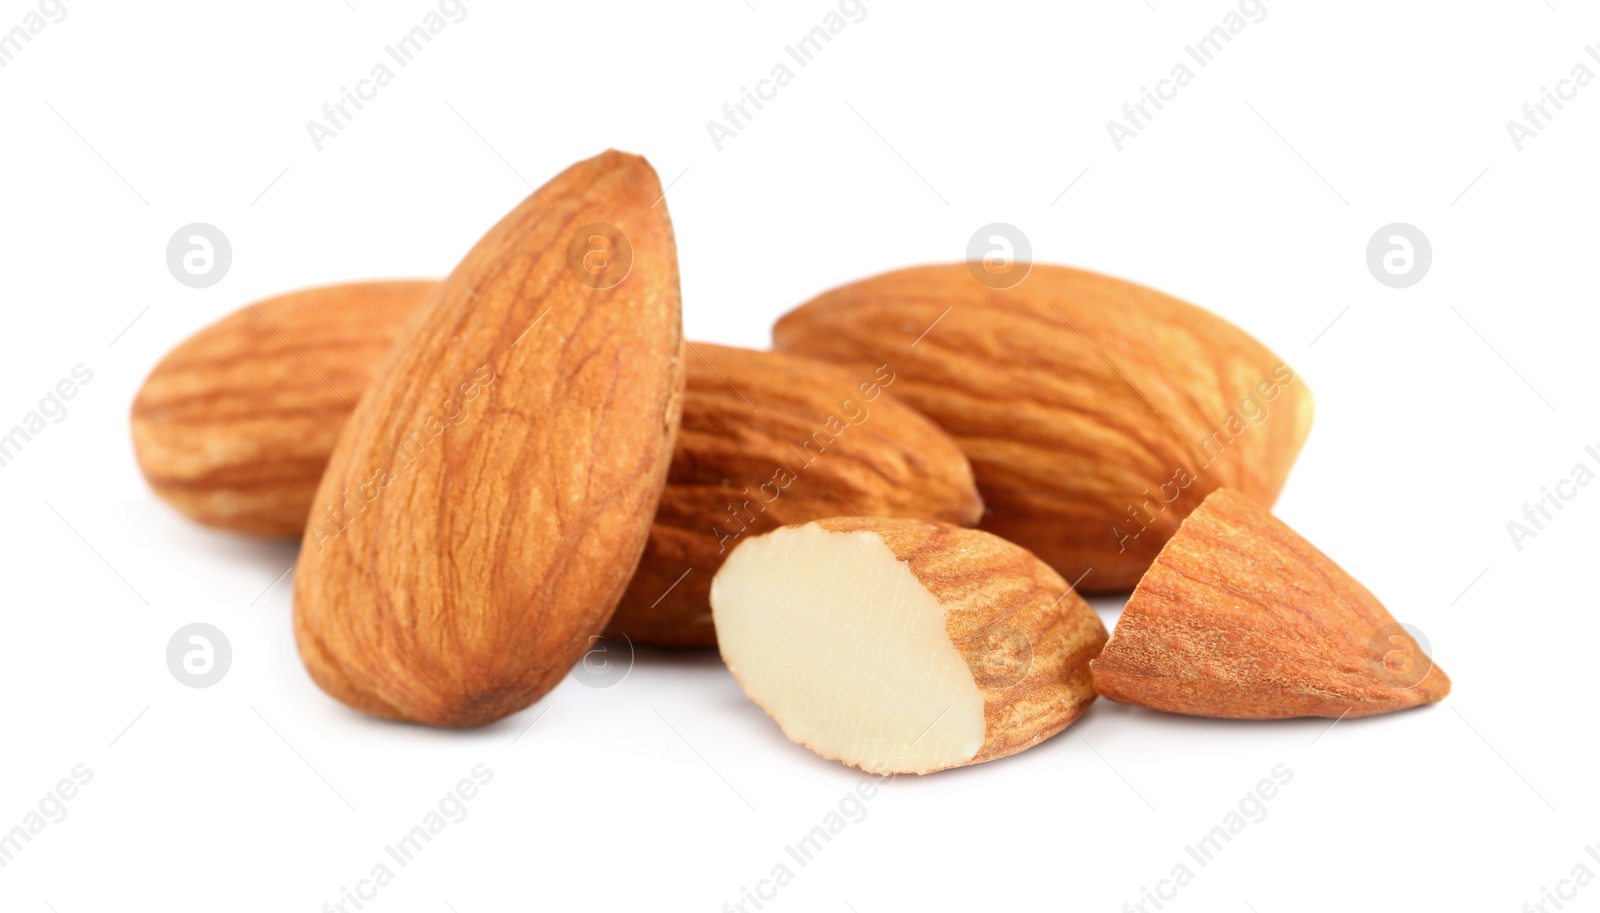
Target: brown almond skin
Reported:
[(770, 440), (498, 481), (234, 426), (749, 419), (1242, 618), (1084, 402)]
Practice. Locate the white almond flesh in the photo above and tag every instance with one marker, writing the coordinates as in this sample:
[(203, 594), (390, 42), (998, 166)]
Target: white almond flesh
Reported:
[(904, 646)]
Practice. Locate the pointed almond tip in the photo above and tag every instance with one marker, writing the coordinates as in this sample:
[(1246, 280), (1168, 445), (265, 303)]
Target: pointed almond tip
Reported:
[(1242, 618), (623, 154), (628, 162)]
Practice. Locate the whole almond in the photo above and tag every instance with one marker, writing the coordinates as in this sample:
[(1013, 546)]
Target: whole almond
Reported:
[(1097, 413), (1242, 618), (234, 426), (486, 505), (770, 440), (904, 646)]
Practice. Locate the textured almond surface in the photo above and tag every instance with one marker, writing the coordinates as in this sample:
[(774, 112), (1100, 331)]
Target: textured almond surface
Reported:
[(770, 440), (767, 440), (1096, 413), (1240, 617), (904, 645), (235, 425), (485, 507)]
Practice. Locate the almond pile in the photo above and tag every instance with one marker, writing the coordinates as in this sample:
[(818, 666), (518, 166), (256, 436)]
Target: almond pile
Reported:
[(884, 525)]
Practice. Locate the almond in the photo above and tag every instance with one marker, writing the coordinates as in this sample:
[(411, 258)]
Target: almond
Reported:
[(770, 440), (1241, 618), (234, 426), (756, 425), (485, 507), (1096, 413), (904, 646)]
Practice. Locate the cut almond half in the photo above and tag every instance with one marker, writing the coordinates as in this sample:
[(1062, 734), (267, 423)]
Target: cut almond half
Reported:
[(904, 646), (1240, 617)]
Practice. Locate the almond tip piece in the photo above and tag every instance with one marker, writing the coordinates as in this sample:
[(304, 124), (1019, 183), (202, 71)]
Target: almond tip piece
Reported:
[(1242, 618)]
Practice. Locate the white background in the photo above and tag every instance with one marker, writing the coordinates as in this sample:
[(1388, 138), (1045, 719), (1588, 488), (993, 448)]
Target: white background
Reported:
[(1442, 410)]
